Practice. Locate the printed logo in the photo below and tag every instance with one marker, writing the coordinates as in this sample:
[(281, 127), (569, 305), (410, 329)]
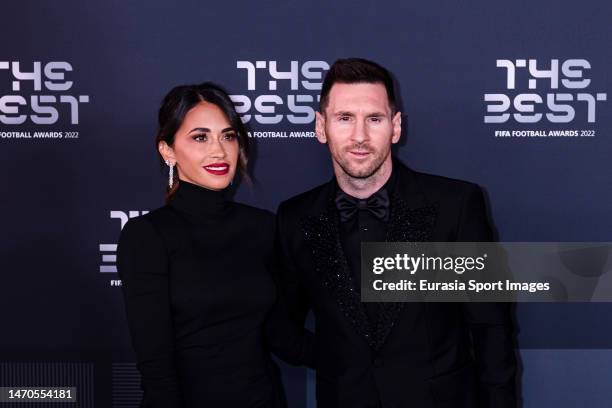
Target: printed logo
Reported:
[(559, 93), (280, 93), (39, 95), (109, 251)]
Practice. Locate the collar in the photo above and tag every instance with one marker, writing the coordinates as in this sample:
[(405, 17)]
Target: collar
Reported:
[(198, 201)]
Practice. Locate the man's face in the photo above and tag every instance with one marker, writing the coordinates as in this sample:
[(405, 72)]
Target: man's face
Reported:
[(359, 127)]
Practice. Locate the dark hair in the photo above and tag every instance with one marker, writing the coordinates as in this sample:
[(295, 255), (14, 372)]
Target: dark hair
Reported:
[(181, 100), (355, 71)]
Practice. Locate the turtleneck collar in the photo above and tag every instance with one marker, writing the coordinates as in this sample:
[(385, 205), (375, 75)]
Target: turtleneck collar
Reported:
[(198, 201)]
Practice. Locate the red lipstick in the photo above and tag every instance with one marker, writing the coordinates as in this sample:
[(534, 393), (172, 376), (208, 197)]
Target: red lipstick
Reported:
[(218, 169)]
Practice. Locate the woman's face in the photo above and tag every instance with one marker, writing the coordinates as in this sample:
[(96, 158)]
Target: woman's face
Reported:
[(205, 148)]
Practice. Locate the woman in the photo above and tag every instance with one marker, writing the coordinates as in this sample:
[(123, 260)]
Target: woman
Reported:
[(196, 273)]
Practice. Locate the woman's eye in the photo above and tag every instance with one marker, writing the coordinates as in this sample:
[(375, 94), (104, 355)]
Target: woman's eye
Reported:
[(229, 136), (200, 138)]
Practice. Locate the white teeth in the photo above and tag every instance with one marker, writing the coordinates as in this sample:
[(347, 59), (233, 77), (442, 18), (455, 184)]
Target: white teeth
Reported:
[(217, 168)]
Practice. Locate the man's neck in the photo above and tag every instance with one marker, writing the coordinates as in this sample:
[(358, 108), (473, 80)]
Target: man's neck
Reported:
[(363, 188)]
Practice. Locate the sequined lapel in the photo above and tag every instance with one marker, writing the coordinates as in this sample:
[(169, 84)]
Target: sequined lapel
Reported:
[(322, 234), (412, 219), (406, 224)]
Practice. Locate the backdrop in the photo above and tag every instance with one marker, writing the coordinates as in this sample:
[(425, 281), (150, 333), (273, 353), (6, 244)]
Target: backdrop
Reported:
[(510, 95)]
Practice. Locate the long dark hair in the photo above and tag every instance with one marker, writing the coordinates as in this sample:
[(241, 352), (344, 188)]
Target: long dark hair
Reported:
[(182, 99)]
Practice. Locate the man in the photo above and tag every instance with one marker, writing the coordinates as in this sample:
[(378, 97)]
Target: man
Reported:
[(389, 355)]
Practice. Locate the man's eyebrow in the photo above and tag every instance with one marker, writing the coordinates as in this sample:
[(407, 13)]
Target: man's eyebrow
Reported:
[(344, 113), (376, 114)]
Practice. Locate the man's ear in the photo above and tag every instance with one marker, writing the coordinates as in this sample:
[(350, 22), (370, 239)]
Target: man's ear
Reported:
[(397, 127), (320, 127), (166, 152)]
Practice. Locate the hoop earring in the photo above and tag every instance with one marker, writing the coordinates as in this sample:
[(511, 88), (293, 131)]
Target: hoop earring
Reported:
[(170, 173)]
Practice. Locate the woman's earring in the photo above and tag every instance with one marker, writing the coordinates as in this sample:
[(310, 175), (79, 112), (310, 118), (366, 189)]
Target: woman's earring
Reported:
[(170, 173)]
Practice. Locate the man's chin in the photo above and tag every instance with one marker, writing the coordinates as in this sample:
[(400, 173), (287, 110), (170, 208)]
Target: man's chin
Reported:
[(359, 169), (360, 172)]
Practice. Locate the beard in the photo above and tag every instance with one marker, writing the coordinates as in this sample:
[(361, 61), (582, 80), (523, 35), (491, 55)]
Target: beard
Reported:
[(356, 168)]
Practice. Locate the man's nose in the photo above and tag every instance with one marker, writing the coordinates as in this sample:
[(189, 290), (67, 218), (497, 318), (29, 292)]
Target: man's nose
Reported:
[(360, 132)]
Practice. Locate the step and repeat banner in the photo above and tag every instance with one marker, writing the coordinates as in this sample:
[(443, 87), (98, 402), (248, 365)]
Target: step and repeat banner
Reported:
[(515, 96)]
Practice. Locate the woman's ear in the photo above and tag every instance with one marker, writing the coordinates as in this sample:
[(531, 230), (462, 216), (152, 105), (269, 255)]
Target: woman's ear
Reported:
[(166, 152)]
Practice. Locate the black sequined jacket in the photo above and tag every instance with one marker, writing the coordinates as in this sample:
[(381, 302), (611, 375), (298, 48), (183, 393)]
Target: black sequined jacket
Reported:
[(417, 355)]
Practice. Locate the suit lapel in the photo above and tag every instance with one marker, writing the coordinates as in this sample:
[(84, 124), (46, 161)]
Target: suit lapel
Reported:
[(321, 232), (412, 219)]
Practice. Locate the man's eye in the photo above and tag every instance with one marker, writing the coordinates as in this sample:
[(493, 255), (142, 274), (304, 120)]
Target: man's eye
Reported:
[(200, 138), (344, 118), (375, 119)]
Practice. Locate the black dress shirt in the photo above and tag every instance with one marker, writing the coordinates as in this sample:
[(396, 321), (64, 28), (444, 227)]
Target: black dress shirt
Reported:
[(364, 226)]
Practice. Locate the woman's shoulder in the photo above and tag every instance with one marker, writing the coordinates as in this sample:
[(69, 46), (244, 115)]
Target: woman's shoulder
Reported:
[(252, 211), (147, 224), (253, 215)]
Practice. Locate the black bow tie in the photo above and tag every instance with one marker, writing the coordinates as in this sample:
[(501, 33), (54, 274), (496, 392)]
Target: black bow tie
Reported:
[(377, 204)]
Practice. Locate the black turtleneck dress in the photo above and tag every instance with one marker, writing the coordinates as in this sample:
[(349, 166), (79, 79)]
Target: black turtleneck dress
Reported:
[(197, 287)]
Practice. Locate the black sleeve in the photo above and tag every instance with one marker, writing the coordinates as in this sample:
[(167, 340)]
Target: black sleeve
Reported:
[(285, 330), (143, 268), (490, 324), (287, 338)]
